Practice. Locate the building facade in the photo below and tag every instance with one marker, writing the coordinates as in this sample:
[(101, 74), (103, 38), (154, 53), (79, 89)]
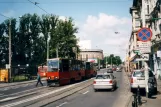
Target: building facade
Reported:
[(86, 54), (151, 12)]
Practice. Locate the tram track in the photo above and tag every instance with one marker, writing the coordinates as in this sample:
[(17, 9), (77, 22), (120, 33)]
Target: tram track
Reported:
[(48, 95)]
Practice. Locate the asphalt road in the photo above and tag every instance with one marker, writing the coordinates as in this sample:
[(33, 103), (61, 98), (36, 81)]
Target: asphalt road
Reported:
[(85, 97), (88, 98), (12, 90)]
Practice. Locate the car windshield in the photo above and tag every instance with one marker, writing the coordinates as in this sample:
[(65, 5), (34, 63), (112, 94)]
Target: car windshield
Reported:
[(138, 74), (103, 77)]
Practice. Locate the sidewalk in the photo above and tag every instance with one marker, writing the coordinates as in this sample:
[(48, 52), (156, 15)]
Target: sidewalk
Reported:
[(18, 83), (155, 101)]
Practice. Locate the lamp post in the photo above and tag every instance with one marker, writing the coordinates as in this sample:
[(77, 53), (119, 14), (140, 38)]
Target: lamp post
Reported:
[(10, 52), (48, 45)]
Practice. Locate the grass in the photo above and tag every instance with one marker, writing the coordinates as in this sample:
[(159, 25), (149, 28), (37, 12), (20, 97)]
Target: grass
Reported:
[(19, 78)]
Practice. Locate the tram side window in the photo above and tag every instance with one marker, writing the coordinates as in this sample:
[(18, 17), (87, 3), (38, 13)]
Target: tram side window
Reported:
[(72, 65), (88, 66), (65, 65), (76, 65), (82, 65)]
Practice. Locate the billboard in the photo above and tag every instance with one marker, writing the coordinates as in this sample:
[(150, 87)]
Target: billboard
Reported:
[(3, 75), (94, 60)]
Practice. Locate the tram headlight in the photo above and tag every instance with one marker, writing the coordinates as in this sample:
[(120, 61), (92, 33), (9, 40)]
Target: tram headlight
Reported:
[(49, 78), (56, 78)]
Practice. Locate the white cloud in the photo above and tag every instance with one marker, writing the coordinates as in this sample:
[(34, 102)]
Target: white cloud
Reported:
[(62, 18), (101, 31)]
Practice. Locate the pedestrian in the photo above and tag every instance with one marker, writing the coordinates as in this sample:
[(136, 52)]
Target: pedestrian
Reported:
[(38, 79)]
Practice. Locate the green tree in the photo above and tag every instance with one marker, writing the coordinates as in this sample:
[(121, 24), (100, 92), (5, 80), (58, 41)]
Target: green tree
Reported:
[(64, 39), (3, 46)]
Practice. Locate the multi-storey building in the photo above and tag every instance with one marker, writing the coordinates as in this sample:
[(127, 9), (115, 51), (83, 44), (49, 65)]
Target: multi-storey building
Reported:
[(152, 14), (155, 25)]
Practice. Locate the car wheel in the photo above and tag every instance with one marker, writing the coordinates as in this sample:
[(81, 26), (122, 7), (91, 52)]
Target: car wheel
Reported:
[(95, 90), (155, 90), (132, 90)]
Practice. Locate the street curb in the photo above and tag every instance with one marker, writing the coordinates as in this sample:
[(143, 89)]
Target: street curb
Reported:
[(130, 97), (20, 83), (128, 102)]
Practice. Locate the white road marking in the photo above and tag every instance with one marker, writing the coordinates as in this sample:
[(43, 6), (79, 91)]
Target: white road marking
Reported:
[(61, 104), (42, 95), (86, 92)]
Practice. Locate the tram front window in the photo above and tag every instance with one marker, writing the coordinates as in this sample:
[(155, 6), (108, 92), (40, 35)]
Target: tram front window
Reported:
[(53, 65)]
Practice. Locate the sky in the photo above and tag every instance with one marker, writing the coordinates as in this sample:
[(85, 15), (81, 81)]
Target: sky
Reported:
[(97, 20)]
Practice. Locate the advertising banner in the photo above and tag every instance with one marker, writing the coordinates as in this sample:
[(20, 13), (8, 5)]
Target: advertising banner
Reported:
[(94, 60)]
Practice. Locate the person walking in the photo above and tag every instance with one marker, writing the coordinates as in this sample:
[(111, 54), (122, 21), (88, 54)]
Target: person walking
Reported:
[(39, 79)]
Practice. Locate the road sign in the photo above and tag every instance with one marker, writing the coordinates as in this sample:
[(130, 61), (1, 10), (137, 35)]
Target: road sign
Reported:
[(144, 57), (7, 66), (144, 34)]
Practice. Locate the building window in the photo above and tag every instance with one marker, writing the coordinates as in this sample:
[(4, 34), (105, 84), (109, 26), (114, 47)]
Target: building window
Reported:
[(148, 9)]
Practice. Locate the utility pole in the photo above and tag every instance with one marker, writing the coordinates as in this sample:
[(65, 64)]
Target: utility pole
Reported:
[(10, 51), (57, 53), (48, 45), (111, 61), (106, 62), (145, 63)]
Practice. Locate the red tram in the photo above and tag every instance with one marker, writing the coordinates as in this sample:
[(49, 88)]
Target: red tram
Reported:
[(64, 71), (42, 70)]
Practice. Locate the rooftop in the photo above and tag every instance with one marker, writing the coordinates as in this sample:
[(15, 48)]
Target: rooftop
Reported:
[(91, 50)]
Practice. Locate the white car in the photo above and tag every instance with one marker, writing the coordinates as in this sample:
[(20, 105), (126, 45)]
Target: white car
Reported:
[(105, 81), (137, 79)]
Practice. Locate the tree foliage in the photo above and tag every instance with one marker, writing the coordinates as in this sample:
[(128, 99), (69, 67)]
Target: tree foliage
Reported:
[(112, 59), (30, 35)]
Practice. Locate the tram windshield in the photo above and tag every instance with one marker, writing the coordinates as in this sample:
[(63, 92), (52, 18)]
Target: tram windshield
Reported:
[(53, 65)]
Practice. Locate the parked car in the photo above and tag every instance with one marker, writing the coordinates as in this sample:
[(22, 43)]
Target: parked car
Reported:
[(118, 69), (105, 81), (138, 79)]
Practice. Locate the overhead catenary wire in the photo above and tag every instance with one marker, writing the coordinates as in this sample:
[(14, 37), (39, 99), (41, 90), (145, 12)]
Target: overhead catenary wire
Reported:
[(71, 2), (35, 3), (4, 16)]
